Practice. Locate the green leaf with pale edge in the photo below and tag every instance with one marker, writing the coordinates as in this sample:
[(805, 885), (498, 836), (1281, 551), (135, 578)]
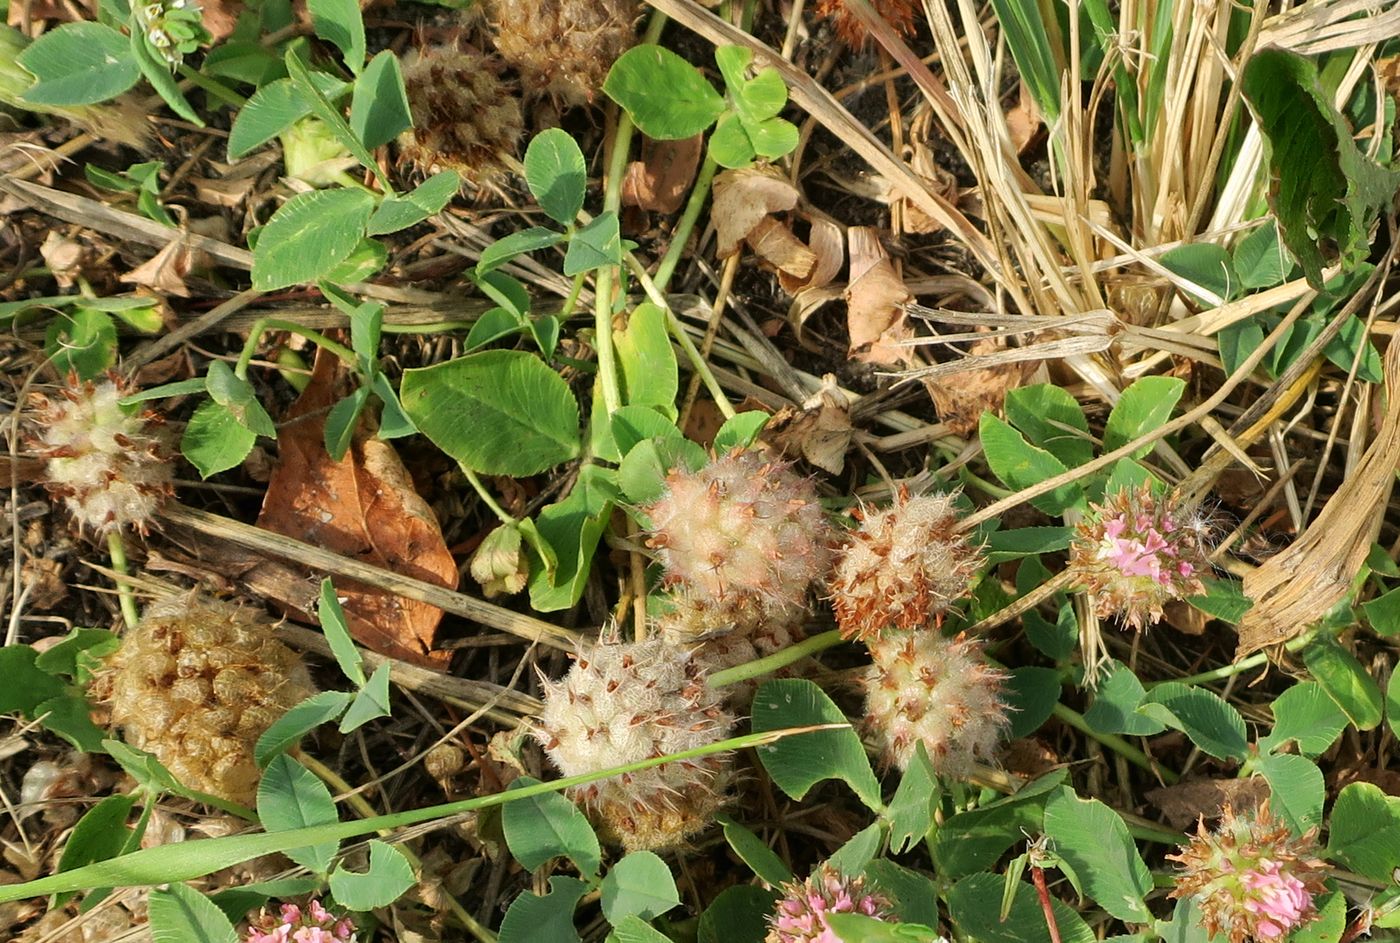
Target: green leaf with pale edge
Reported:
[(633, 929), (1324, 190), (1363, 831), (517, 243), (309, 236), (556, 174), (797, 766), (26, 686), (63, 657), (975, 905), (425, 200), (532, 918), (912, 894), (647, 361), (180, 914), (663, 94), (1212, 724), (78, 64), (972, 841), (271, 110), (1260, 259), (1330, 923), (499, 412), (1053, 420), (1032, 693), (291, 797), (157, 71), (738, 915), (215, 440), (595, 245), (1305, 714), (1020, 465), (1096, 843), (331, 115), (1392, 702), (740, 431), (1205, 266), (1297, 788), (639, 885), (572, 528), (915, 799), (1144, 407), (858, 928), (1115, 705), (339, 22), (150, 774), (754, 852), (100, 834), (379, 110), (81, 341), (549, 826), (337, 631), (371, 701), (852, 858), (1347, 682), (389, 876), (311, 713)]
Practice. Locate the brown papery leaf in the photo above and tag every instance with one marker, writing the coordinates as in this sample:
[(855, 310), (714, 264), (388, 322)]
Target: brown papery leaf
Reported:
[(742, 199), (875, 301), (165, 271), (1024, 121), (961, 398), (775, 244), (364, 507), (828, 243), (820, 432), (659, 181)]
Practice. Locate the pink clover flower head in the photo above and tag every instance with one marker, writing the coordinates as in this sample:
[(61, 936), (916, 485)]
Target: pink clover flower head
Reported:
[(1135, 552), (1252, 878), (293, 924), (801, 916)]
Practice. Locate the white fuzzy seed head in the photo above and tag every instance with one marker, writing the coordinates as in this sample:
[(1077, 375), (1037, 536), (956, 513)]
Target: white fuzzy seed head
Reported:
[(742, 527), (924, 688), (902, 568), (112, 469), (625, 702)]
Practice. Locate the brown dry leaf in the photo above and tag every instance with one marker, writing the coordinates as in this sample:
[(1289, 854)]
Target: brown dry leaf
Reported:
[(659, 181), (742, 199), (939, 180), (220, 17), (222, 192), (961, 398), (1184, 803), (875, 300), (1024, 120), (1185, 618), (827, 243), (64, 258), (364, 507), (820, 432), (775, 244), (165, 271)]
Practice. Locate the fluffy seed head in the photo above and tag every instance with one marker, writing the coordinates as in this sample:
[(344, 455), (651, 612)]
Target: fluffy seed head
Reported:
[(898, 13), (743, 528), (924, 688), (464, 116), (1135, 553), (112, 469), (622, 703), (197, 683), (563, 48), (801, 916), (292, 924), (1252, 878), (902, 568)]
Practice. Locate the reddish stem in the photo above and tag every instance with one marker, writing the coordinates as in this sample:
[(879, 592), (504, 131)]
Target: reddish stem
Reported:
[(1043, 892)]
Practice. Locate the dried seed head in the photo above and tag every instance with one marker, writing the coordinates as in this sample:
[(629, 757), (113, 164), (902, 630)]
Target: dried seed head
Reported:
[(902, 568), (742, 531), (924, 688), (197, 683), (113, 469), (898, 13), (1135, 553), (622, 703), (563, 48), (801, 916), (464, 116), (1251, 877)]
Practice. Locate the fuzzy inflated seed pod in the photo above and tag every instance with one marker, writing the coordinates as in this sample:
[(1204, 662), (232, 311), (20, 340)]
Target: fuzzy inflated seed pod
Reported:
[(742, 529), (902, 568), (801, 915), (1135, 553), (622, 703), (898, 13), (924, 688), (197, 683), (563, 48), (1251, 878), (465, 117), (113, 468)]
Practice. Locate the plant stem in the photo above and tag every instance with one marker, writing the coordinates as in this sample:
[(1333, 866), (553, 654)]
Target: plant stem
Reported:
[(486, 496), (773, 662), (213, 86), (262, 325), (686, 225), (117, 549), (1117, 744)]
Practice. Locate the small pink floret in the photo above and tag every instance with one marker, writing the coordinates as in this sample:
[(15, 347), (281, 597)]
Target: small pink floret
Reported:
[(1279, 899)]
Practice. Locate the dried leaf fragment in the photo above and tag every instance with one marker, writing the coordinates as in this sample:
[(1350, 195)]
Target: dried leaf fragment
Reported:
[(875, 300), (743, 198)]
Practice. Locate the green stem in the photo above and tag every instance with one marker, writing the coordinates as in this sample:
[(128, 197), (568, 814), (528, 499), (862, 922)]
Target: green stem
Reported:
[(263, 325), (770, 663), (1257, 660), (1123, 748), (567, 310), (213, 86), (486, 496), (117, 549), (698, 195)]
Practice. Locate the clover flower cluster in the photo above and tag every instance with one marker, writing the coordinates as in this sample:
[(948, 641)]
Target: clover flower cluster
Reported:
[(564, 48), (175, 28), (292, 924), (801, 915), (1136, 552), (1251, 877)]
